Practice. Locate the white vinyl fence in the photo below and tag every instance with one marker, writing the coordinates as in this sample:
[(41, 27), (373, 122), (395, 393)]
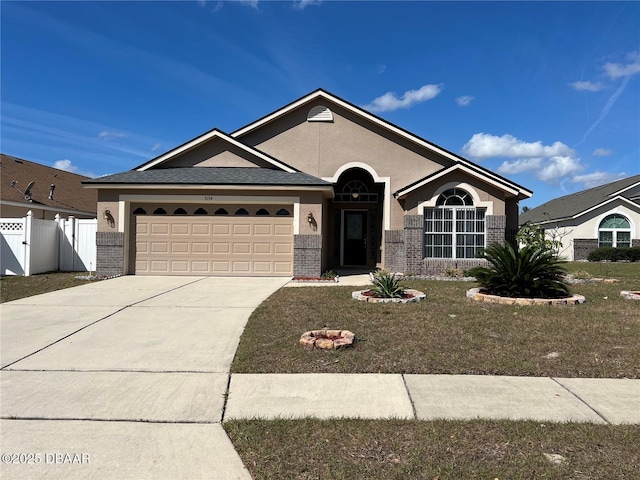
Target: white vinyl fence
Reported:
[(31, 245)]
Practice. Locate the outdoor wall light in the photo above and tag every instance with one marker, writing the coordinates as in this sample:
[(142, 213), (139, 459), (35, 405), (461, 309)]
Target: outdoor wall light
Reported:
[(312, 221), (109, 218)]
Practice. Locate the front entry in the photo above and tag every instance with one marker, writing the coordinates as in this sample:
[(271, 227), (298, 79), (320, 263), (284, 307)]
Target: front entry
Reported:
[(354, 238)]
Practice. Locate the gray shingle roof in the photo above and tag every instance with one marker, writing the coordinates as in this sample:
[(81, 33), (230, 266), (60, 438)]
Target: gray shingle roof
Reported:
[(571, 205), (210, 176)]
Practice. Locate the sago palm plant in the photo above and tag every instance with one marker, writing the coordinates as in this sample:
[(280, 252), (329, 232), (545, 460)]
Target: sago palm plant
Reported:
[(527, 272)]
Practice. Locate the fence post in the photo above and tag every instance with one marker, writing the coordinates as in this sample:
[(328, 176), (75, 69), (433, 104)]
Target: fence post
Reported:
[(60, 224), (28, 229)]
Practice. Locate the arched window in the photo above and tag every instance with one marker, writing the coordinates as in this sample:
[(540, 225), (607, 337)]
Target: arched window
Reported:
[(283, 212), (200, 211), (263, 212), (355, 191), (159, 211), (180, 211), (454, 228), (221, 211), (614, 231), (241, 211), (139, 211)]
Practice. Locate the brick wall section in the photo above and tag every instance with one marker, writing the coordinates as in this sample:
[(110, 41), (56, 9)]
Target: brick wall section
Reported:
[(437, 266), (307, 255), (394, 253), (110, 254), (495, 227), (583, 246), (413, 244), (635, 242)]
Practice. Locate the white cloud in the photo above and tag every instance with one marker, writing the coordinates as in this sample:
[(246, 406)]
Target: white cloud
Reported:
[(302, 4), (484, 145), (155, 147), (557, 167), (389, 101), (596, 178), (465, 100), (249, 3), (68, 166), (381, 69), (602, 152), (107, 135), (519, 166), (587, 86), (617, 70)]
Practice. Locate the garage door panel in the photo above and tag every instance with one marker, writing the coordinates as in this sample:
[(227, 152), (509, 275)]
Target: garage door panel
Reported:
[(210, 245), (179, 247), (200, 247), (262, 248), (241, 248), (159, 229), (263, 230)]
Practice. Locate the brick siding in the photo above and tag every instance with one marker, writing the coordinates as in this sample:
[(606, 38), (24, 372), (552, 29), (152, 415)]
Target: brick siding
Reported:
[(110, 254), (582, 247), (307, 255)]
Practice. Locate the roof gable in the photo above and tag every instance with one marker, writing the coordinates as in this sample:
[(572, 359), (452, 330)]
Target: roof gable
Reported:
[(68, 195), (244, 154), (579, 203), (328, 98)]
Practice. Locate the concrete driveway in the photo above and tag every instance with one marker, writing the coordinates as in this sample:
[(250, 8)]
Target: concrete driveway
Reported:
[(124, 378)]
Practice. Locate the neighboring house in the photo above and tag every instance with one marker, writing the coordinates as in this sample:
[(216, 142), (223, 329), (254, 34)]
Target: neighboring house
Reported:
[(44, 190), (604, 216), (317, 184)]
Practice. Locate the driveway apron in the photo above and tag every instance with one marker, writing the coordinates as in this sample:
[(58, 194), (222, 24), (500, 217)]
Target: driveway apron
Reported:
[(124, 378)]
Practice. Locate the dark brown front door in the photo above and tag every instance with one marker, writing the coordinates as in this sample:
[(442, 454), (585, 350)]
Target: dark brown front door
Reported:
[(354, 238)]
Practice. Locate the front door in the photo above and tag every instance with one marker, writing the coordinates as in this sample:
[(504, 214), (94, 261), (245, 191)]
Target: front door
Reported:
[(354, 238)]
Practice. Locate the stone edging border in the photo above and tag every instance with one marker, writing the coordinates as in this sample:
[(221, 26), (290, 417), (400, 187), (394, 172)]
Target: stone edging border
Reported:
[(627, 295), (478, 296), (327, 339), (417, 296)]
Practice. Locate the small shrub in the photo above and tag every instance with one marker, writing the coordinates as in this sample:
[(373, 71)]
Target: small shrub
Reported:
[(610, 254), (387, 285), (582, 275), (330, 274), (453, 272), (528, 272)]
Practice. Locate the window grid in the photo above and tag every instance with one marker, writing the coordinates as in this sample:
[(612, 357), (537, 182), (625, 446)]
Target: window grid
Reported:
[(453, 232), (614, 231)]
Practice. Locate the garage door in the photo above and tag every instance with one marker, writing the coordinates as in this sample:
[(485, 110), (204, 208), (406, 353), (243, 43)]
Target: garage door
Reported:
[(207, 245)]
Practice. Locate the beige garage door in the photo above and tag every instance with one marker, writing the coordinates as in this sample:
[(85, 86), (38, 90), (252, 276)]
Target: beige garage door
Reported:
[(202, 245)]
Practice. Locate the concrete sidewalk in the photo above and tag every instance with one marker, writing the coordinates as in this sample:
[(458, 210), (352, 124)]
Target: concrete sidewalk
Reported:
[(428, 397)]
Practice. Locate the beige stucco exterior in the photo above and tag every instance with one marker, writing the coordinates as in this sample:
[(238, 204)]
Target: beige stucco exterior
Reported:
[(350, 145), (586, 226)]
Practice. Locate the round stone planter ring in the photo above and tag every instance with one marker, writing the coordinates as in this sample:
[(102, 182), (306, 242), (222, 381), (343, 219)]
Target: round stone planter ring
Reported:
[(479, 296), (327, 339), (410, 296)]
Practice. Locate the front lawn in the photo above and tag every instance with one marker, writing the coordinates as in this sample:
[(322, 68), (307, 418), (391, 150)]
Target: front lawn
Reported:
[(14, 287), (450, 334), (443, 450)]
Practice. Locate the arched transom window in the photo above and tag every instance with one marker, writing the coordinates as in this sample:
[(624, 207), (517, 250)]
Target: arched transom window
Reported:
[(614, 231), (455, 228)]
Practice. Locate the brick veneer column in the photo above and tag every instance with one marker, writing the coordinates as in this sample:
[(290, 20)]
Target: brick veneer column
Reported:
[(307, 255), (110, 254), (582, 247), (496, 226), (394, 253), (413, 243)]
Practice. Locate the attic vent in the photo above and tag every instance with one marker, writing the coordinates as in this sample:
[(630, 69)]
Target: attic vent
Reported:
[(320, 114)]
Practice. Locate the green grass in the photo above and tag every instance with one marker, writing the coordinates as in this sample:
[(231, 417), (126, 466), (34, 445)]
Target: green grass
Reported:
[(393, 449), (15, 287), (449, 333)]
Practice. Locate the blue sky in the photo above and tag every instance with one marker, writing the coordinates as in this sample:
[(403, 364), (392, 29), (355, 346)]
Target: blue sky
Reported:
[(544, 93)]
